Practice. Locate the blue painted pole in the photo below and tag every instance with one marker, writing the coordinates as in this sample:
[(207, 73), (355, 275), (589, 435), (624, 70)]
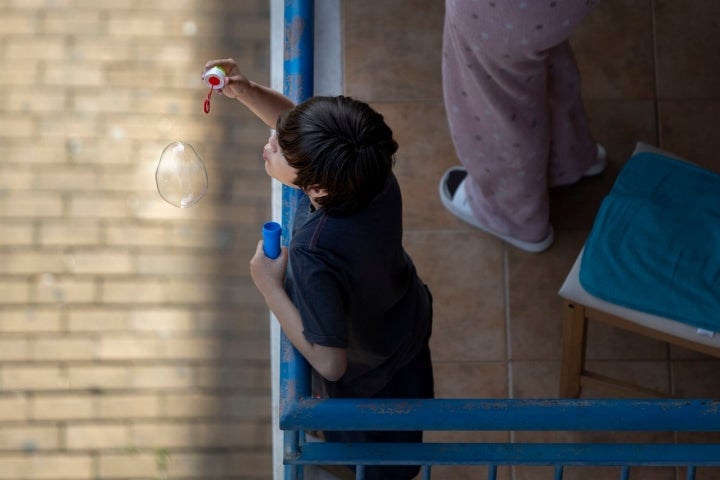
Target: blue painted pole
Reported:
[(298, 65), (298, 86), (492, 472), (625, 473)]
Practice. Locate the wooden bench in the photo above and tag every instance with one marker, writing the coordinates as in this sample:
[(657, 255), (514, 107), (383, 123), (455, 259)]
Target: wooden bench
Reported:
[(580, 307)]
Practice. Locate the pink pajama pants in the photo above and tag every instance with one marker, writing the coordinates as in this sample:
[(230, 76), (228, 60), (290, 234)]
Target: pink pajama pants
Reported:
[(512, 95)]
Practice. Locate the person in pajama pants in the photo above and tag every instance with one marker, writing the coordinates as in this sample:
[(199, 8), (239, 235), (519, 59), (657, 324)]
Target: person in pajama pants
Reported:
[(512, 95)]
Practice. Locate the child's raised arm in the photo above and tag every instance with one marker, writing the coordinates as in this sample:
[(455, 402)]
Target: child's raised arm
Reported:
[(264, 102)]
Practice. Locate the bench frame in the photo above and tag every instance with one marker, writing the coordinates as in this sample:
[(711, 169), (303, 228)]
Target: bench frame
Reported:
[(573, 372)]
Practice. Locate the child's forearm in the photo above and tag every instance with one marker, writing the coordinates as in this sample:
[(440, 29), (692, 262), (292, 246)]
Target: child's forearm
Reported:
[(327, 361), (264, 102)]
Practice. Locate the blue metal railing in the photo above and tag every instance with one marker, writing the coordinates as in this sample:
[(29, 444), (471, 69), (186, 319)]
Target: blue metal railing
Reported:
[(298, 61), (300, 412), (298, 64)]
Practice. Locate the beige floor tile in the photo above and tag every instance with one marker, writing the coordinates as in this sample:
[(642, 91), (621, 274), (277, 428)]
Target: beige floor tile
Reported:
[(470, 379), (696, 378), (686, 43), (535, 379), (392, 49), (535, 309), (684, 130), (425, 152), (648, 374), (620, 124), (605, 342), (464, 272), (614, 51), (680, 353)]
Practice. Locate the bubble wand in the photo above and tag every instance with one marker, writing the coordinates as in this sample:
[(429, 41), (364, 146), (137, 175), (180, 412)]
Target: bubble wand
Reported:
[(214, 79)]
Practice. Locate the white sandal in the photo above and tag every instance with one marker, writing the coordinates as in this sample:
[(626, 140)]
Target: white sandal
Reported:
[(454, 198), (600, 165)]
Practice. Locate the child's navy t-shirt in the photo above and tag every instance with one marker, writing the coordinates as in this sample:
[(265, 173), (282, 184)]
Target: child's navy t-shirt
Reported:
[(356, 288)]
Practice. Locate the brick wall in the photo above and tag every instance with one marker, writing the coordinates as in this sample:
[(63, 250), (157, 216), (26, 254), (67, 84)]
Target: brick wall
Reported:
[(132, 342)]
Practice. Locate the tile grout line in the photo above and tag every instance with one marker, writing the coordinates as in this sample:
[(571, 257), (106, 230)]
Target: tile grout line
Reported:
[(508, 343), (656, 76)]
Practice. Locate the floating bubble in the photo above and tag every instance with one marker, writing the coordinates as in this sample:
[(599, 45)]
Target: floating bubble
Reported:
[(181, 176)]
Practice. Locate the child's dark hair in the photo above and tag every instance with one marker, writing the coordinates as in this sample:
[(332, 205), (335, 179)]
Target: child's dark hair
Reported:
[(341, 145)]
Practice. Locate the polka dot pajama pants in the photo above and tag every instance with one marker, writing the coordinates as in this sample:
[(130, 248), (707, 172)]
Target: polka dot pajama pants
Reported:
[(512, 94)]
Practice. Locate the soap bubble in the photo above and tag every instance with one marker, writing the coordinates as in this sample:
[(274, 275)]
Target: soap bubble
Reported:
[(181, 176)]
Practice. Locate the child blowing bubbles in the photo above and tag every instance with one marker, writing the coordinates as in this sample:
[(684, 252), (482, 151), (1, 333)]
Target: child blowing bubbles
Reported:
[(346, 293)]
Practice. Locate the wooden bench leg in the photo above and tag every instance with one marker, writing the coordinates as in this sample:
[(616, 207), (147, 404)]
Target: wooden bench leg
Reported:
[(573, 349)]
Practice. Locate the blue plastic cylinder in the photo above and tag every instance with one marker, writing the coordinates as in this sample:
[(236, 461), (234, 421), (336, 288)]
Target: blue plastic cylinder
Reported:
[(271, 233)]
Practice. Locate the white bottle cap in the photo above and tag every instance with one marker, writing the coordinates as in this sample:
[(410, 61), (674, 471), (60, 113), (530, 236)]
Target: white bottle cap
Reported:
[(215, 78)]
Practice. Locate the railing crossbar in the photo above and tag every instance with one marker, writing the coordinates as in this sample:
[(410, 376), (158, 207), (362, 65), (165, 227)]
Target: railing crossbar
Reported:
[(495, 454), (700, 415)]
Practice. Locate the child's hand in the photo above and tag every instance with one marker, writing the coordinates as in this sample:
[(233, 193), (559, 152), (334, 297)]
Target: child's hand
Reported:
[(236, 84), (268, 273)]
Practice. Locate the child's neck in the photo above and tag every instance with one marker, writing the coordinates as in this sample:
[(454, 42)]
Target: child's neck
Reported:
[(314, 206)]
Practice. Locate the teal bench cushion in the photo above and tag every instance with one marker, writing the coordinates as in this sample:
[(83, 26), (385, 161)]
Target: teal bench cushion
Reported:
[(655, 243)]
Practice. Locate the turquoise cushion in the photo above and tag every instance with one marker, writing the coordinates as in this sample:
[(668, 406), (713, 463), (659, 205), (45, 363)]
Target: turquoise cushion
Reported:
[(655, 244)]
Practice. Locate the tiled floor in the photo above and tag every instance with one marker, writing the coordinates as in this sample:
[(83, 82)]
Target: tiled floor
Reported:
[(650, 73)]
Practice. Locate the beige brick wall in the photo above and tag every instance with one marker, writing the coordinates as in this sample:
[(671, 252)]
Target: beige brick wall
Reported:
[(132, 342)]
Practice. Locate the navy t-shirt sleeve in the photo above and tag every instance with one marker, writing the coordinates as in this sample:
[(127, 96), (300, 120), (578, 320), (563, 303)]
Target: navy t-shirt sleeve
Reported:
[(319, 299)]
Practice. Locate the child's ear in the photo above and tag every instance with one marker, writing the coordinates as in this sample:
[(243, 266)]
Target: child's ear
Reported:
[(316, 192)]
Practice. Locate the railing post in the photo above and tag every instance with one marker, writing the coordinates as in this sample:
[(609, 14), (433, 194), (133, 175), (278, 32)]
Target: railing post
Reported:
[(298, 65)]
